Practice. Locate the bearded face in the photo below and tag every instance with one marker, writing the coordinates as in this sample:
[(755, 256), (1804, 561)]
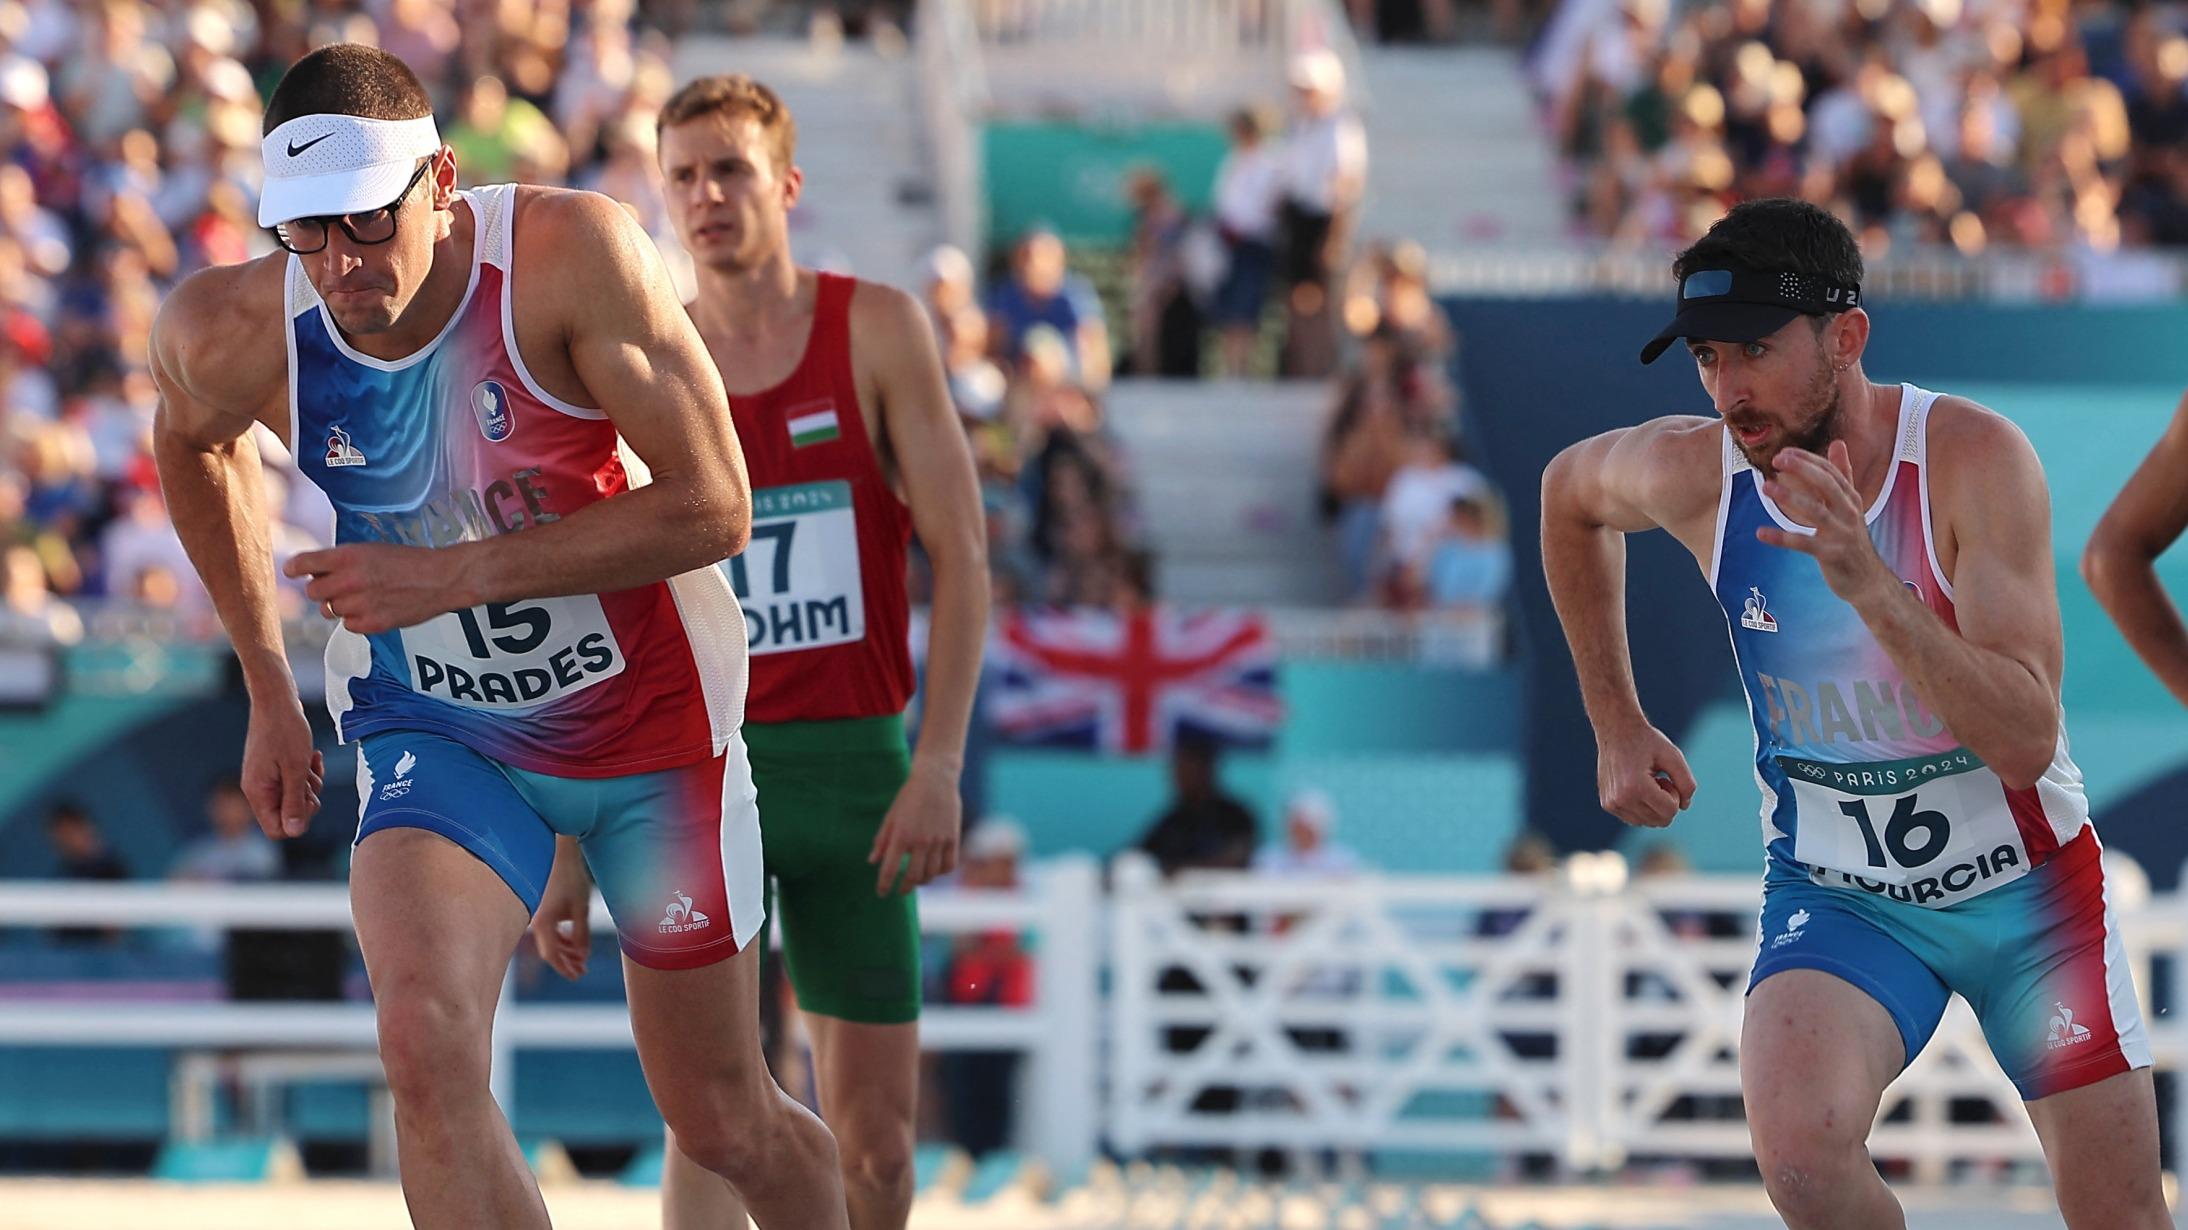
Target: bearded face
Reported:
[(1774, 393)]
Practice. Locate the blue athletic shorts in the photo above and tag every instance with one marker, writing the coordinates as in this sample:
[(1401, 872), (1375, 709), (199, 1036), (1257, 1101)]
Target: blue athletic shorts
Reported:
[(676, 852), (2038, 959)]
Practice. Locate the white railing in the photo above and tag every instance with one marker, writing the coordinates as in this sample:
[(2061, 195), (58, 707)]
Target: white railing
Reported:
[(1122, 58), (1579, 1017), (1056, 1034), (1934, 273), (1566, 1018), (1178, 26), (1473, 638)]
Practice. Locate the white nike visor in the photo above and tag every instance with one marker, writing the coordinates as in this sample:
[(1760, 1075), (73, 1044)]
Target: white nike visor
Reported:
[(321, 165)]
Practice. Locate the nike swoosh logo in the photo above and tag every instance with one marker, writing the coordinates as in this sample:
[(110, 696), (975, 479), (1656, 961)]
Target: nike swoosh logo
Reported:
[(295, 149)]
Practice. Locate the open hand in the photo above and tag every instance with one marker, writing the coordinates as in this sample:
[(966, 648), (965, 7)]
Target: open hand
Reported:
[(1819, 492), (920, 833)]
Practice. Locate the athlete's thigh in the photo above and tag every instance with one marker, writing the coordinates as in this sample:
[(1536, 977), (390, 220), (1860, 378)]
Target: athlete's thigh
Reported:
[(676, 854), (448, 868), (1816, 1053), (2101, 1140), (436, 926), (868, 1075), (698, 1035), (2057, 998), (1836, 1007), (850, 953), (2058, 1007), (410, 780)]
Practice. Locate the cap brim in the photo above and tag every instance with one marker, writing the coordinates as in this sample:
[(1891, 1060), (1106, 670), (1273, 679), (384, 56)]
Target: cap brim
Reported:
[(1720, 322), (339, 192)]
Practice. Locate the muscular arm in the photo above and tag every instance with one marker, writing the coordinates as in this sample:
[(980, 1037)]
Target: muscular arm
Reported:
[(1996, 684), (935, 463), (639, 357), (217, 374), (1996, 681), (2120, 562), (209, 470), (1593, 495)]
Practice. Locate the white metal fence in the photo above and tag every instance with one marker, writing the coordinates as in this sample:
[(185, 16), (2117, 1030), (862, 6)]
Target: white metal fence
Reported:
[(1588, 1020), (1056, 1034), (1583, 1019)]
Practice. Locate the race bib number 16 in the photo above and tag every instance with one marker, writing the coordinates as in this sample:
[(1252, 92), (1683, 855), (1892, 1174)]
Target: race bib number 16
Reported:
[(1931, 828), (798, 581)]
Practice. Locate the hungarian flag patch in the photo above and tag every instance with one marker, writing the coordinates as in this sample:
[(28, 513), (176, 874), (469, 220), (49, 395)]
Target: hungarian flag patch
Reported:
[(815, 425)]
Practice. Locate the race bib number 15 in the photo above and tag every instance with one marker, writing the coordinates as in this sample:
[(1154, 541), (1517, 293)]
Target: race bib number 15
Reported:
[(798, 581), (513, 655)]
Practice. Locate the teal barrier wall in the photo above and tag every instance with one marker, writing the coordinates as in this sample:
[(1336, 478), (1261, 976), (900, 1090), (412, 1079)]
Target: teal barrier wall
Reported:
[(1421, 761), (1072, 176)]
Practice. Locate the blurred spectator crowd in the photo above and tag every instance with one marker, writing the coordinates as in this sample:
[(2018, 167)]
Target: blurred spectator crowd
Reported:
[(129, 157), (1027, 364), (1951, 125)]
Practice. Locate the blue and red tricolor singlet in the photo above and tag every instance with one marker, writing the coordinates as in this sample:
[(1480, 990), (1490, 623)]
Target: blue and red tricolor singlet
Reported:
[(457, 442), (823, 583), (1863, 787)]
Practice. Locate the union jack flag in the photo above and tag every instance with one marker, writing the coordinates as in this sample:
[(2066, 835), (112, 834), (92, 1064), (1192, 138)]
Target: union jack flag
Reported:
[(1132, 683)]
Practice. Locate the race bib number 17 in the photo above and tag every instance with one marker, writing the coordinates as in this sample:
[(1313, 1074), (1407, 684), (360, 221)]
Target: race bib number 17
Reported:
[(798, 580)]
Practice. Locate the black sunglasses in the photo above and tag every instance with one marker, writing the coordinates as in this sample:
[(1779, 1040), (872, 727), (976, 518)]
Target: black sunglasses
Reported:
[(305, 236)]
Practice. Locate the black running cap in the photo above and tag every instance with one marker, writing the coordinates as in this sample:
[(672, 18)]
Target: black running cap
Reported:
[(1742, 305)]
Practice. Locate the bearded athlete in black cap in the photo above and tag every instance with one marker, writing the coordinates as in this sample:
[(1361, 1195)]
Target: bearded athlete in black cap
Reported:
[(1883, 557)]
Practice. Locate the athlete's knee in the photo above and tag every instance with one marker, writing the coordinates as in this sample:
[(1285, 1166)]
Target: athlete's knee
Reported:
[(725, 1146), (740, 1140), (1808, 1152), (877, 1157), (431, 1045)]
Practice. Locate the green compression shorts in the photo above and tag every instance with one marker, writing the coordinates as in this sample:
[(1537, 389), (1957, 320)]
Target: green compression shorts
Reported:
[(825, 788)]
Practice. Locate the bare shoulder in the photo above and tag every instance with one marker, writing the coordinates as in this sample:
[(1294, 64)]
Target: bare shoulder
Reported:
[(1974, 449), (1679, 442), (575, 230), (1680, 471), (1968, 426), (1665, 472), (218, 336), (879, 305), (885, 320)]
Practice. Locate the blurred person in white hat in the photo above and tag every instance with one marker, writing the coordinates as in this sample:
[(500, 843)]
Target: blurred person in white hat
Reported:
[(1324, 178), (993, 848), (947, 283), (1307, 848), (464, 374)]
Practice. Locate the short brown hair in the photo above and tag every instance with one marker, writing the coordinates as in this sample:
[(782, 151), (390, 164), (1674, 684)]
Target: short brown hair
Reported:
[(734, 94)]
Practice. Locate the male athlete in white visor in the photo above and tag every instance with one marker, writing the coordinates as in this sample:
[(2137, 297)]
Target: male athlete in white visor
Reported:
[(534, 647)]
